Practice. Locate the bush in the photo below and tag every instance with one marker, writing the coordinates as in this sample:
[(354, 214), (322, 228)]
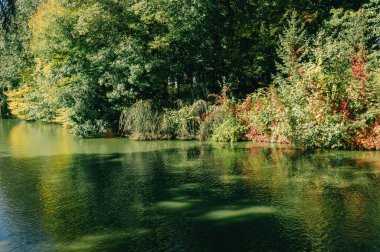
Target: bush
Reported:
[(230, 130), (325, 94), (95, 128), (144, 122), (327, 135), (188, 119), (141, 121)]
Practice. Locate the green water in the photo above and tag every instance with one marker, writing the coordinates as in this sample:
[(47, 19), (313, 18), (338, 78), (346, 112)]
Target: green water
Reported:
[(60, 193)]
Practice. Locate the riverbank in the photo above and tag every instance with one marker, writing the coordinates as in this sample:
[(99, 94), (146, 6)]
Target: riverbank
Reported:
[(267, 116), (320, 91)]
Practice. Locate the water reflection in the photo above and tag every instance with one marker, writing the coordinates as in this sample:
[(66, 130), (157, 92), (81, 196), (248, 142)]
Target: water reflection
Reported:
[(66, 194), (25, 139)]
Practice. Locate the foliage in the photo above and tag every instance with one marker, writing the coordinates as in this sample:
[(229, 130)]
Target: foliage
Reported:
[(82, 64), (7, 10), (265, 116), (15, 57), (141, 121), (328, 90), (199, 120), (188, 119), (230, 130)]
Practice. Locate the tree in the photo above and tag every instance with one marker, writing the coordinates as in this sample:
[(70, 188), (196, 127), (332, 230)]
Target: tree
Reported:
[(7, 11), (14, 42)]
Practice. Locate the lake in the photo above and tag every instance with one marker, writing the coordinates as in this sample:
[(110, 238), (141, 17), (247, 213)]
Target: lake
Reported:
[(62, 193)]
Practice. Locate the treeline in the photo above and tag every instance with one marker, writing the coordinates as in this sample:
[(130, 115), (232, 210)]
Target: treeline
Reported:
[(309, 69)]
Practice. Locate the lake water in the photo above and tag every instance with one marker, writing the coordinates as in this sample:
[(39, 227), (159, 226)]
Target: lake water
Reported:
[(61, 193)]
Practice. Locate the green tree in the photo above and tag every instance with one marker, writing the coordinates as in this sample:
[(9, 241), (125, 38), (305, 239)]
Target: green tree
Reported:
[(15, 57)]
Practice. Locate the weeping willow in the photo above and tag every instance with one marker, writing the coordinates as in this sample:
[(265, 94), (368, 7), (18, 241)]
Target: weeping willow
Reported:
[(143, 121)]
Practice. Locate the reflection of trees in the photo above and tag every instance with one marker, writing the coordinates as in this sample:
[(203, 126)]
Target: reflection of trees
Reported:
[(34, 139), (312, 189), (97, 192), (309, 190), (188, 196), (21, 208)]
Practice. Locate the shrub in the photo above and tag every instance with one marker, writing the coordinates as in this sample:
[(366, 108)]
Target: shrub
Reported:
[(141, 121), (230, 130), (188, 119), (95, 128), (265, 116), (325, 94)]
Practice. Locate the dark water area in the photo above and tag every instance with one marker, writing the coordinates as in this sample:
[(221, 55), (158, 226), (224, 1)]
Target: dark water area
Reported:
[(61, 193)]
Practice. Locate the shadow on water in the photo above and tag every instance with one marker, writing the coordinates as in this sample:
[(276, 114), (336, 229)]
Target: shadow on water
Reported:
[(188, 197)]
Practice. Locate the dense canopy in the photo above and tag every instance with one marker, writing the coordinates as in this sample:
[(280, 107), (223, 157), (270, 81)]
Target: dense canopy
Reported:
[(305, 72)]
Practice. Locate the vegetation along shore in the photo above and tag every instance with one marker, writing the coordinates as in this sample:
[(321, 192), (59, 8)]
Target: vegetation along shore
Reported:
[(300, 72)]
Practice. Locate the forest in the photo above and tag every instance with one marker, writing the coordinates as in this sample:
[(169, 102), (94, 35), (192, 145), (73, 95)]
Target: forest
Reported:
[(303, 72)]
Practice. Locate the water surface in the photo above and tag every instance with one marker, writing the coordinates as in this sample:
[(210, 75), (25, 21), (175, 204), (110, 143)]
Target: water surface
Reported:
[(61, 193)]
